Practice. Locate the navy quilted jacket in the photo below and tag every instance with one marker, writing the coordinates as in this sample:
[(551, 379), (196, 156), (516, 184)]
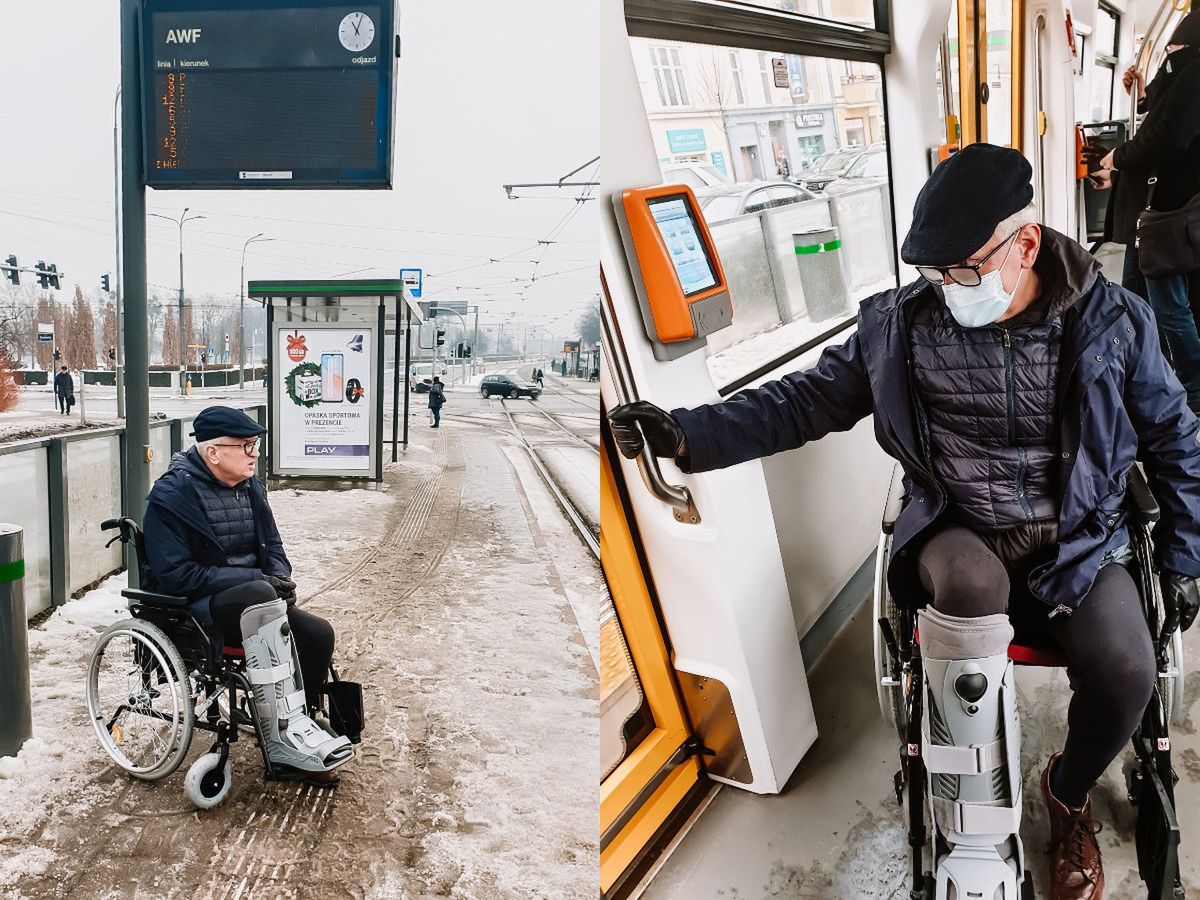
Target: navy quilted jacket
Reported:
[(1118, 400), (185, 554)]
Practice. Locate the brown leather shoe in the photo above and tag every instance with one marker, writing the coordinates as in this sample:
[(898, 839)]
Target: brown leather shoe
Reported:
[(1076, 870)]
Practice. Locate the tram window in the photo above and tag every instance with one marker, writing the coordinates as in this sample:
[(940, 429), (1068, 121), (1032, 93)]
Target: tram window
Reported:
[(999, 71), (787, 152), (853, 12), (1105, 34)]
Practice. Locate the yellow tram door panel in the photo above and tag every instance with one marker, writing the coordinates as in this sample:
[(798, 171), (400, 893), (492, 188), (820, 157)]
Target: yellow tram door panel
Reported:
[(646, 772)]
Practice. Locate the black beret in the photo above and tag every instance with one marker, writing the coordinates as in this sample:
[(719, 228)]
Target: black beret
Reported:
[(223, 421), (963, 201), (1188, 31)]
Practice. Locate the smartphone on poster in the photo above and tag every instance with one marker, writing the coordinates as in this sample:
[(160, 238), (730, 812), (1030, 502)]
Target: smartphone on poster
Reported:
[(332, 378)]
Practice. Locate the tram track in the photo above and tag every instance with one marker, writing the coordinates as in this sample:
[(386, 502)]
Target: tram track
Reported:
[(581, 526)]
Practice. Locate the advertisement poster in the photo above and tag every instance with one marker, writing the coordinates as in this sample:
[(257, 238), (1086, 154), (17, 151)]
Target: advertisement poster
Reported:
[(324, 381)]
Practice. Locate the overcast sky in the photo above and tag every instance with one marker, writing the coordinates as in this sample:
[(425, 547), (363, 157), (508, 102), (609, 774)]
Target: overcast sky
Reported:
[(490, 92)]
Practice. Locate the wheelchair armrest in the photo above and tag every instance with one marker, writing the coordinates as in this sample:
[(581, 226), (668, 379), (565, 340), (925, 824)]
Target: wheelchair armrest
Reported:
[(152, 599), (1144, 506), (891, 509)]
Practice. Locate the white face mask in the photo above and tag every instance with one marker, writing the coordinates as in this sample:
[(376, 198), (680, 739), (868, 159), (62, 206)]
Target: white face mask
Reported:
[(983, 303)]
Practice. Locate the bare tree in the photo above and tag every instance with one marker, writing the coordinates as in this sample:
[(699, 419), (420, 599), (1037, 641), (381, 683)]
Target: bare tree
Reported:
[(9, 391), (170, 339), (589, 325), (44, 352), (81, 342), (108, 332)]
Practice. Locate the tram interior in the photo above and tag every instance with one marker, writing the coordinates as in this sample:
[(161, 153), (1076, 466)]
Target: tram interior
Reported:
[(812, 123)]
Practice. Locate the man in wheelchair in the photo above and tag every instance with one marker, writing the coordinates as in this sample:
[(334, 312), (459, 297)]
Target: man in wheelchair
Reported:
[(1016, 386), (210, 536)]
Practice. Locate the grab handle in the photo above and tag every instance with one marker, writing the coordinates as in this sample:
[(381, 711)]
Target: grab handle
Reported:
[(678, 497)]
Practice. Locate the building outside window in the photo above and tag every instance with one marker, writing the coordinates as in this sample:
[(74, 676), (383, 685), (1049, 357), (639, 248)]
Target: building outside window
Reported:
[(736, 72), (668, 72)]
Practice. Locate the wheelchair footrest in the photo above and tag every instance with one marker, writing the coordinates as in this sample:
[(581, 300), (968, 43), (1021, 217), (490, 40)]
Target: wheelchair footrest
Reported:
[(975, 872), (346, 708)]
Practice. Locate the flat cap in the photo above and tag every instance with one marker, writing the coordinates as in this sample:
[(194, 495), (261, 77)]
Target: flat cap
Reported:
[(224, 421), (963, 201)]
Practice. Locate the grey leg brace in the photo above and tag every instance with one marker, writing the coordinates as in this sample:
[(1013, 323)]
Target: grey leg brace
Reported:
[(971, 743), (273, 668)]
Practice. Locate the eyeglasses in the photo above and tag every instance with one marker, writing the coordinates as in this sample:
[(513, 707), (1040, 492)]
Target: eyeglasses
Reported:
[(966, 274), (248, 447)]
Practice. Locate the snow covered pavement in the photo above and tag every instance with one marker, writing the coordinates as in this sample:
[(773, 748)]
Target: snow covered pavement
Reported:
[(454, 594)]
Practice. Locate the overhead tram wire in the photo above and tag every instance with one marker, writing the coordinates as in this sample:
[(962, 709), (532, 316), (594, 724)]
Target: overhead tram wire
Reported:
[(285, 219)]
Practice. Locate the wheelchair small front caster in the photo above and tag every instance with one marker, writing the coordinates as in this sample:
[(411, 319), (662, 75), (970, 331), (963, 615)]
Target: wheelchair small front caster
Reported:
[(207, 782), (1134, 780)]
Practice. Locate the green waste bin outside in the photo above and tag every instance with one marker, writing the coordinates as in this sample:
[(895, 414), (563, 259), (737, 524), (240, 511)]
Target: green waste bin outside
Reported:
[(818, 254), (16, 720)]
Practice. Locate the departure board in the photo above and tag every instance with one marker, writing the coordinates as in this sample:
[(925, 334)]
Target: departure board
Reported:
[(267, 93)]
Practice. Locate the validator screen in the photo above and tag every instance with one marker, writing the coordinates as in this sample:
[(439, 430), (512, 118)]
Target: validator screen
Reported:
[(677, 225)]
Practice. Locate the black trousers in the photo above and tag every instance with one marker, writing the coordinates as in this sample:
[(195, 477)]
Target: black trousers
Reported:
[(313, 635), (1106, 642)]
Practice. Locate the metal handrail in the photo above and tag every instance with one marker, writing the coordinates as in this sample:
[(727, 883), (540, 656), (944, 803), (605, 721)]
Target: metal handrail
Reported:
[(678, 497)]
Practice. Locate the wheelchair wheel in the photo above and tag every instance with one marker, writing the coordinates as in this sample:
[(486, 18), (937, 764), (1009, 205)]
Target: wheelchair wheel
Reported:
[(890, 696), (139, 699), (207, 782)]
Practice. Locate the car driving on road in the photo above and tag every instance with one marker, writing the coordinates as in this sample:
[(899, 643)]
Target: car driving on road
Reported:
[(508, 386)]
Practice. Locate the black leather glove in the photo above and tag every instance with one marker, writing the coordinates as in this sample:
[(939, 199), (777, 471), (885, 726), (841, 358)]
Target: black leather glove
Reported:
[(661, 429), (1181, 598), (283, 585)]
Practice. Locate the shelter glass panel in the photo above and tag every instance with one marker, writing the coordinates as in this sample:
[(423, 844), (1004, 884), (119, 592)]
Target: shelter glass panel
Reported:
[(801, 208), (25, 476), (93, 495)]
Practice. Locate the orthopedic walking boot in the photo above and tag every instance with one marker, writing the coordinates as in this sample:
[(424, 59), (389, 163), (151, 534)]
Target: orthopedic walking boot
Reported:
[(1076, 870), (292, 738), (971, 743)]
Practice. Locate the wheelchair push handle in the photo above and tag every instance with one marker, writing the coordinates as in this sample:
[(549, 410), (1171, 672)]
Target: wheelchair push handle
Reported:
[(128, 528)]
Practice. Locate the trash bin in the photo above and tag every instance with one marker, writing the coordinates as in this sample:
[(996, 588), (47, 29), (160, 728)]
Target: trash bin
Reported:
[(818, 254), (16, 722)]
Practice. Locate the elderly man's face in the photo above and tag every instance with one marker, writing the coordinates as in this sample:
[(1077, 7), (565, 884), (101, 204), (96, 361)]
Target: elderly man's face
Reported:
[(229, 461)]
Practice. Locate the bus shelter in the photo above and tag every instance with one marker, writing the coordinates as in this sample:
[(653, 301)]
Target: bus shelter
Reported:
[(326, 352)]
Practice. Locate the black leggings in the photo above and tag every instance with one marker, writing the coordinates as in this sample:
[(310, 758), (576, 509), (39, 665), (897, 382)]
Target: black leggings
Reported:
[(313, 635), (1106, 642)]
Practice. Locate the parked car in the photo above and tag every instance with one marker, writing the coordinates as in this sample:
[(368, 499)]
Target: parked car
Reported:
[(870, 168), (827, 167), (695, 175), (750, 197), (508, 386)]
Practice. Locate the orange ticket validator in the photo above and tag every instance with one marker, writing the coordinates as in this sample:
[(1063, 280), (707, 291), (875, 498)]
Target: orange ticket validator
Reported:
[(678, 275)]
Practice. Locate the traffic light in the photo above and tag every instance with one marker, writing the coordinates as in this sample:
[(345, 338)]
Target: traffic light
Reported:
[(42, 276), (57, 353), (441, 337), (112, 353), (54, 278), (467, 351), (458, 351), (12, 273), (104, 283)]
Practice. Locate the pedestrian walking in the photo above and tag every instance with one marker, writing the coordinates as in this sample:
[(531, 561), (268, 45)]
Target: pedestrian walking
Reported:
[(437, 398), (64, 391), (1158, 170), (538, 376)]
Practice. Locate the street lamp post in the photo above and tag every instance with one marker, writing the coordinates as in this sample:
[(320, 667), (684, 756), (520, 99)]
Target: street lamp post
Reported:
[(181, 221), (242, 314)]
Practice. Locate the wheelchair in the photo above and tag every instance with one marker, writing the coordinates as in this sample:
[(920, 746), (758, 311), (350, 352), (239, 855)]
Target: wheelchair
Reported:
[(159, 675), (1149, 776)]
